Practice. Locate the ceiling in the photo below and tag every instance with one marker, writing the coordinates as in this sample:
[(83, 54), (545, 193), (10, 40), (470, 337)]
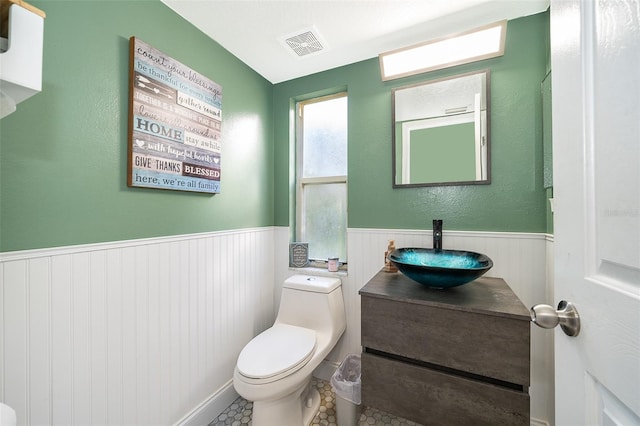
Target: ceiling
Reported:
[(348, 31)]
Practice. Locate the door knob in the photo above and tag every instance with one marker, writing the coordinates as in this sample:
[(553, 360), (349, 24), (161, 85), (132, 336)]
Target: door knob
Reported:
[(566, 315)]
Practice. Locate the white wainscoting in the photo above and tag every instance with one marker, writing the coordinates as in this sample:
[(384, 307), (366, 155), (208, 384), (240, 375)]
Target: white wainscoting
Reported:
[(519, 258), (147, 332), (142, 332)]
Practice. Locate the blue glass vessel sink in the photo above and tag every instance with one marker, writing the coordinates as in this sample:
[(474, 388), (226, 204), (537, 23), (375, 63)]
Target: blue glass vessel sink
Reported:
[(440, 268)]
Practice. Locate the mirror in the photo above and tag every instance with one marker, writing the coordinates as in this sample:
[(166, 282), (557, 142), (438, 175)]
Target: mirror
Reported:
[(441, 132)]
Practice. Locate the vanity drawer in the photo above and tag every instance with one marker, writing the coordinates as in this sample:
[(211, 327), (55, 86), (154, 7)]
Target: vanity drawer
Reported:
[(487, 345), (428, 396)]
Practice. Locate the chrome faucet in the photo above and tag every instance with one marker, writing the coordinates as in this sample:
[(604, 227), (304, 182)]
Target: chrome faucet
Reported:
[(437, 234)]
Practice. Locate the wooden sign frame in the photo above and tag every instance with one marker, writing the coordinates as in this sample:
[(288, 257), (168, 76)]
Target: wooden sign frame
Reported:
[(175, 121)]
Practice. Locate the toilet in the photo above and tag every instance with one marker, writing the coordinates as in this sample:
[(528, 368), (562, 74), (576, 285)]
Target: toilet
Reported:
[(274, 369), (7, 415)]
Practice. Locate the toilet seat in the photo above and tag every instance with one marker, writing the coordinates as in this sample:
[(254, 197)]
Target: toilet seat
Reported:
[(277, 352)]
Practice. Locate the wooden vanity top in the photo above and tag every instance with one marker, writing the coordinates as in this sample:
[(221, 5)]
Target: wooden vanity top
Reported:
[(488, 296)]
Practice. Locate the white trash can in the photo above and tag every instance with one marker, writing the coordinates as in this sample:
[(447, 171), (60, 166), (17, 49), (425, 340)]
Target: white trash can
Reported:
[(346, 382)]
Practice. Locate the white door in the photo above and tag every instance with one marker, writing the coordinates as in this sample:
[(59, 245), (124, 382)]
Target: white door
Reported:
[(595, 62)]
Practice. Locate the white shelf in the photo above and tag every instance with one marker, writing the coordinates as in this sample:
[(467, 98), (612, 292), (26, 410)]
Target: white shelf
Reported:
[(21, 63)]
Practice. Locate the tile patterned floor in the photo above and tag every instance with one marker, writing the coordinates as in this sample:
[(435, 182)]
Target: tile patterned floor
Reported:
[(239, 413)]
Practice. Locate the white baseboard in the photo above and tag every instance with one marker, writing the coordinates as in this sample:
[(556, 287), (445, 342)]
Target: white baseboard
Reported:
[(211, 408)]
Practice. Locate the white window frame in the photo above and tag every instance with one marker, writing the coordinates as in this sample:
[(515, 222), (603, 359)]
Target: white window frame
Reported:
[(301, 182)]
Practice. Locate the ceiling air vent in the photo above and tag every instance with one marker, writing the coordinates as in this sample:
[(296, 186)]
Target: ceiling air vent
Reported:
[(304, 42)]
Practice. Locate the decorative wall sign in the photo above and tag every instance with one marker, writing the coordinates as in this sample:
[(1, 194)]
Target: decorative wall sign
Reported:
[(175, 117), (298, 255)]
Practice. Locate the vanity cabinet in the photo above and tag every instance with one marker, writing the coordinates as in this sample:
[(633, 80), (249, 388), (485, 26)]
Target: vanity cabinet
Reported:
[(448, 357)]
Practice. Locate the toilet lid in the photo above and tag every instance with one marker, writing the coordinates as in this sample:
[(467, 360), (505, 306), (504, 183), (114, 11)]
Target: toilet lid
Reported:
[(282, 348)]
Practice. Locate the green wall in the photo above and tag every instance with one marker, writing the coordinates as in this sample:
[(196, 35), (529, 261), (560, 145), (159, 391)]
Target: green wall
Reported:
[(63, 153), (514, 201)]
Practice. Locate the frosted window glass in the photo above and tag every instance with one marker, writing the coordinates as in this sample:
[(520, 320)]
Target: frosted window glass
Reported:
[(325, 220), (325, 138)]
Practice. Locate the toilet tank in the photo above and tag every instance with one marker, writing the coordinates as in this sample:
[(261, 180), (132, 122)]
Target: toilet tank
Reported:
[(312, 302)]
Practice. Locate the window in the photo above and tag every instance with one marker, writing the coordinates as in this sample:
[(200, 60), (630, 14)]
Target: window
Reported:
[(321, 176)]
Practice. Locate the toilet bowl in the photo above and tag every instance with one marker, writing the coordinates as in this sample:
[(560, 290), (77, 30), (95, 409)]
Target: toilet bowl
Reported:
[(275, 368)]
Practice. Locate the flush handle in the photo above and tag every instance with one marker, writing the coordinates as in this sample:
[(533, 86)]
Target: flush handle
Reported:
[(566, 315)]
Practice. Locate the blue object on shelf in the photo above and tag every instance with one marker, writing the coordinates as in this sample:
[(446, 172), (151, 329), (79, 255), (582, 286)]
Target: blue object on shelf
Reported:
[(440, 268)]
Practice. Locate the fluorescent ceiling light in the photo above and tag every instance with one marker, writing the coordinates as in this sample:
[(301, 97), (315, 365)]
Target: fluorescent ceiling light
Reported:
[(481, 43)]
